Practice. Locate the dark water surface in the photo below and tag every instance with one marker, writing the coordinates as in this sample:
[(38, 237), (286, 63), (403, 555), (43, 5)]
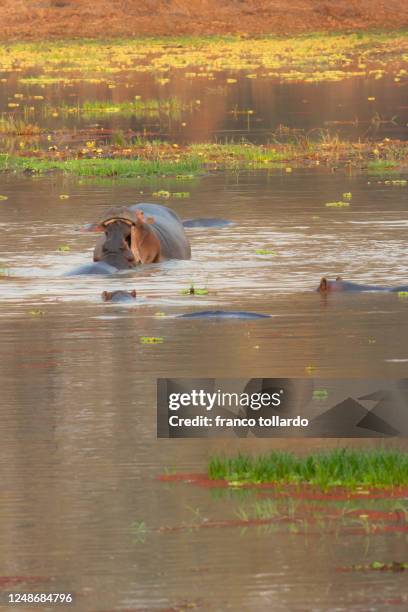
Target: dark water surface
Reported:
[(80, 502)]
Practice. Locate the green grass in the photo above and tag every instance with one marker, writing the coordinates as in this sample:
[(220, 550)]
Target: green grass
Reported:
[(102, 167), (245, 152), (380, 166), (340, 467), (171, 107)]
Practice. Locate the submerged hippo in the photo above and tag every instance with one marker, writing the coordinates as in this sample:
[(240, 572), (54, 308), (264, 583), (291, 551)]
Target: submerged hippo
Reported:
[(223, 314), (206, 222), (138, 234), (119, 295), (340, 285)]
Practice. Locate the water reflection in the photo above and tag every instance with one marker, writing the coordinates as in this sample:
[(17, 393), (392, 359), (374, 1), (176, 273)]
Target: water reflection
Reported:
[(188, 110)]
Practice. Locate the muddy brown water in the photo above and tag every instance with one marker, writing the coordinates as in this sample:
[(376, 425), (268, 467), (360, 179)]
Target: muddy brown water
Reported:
[(80, 500)]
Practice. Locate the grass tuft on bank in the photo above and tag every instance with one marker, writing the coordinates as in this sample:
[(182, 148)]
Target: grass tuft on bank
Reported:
[(98, 167), (349, 468)]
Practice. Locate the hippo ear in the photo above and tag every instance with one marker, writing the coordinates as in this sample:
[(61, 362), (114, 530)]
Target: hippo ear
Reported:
[(133, 293), (338, 278), (323, 284), (105, 296), (150, 220), (140, 215)]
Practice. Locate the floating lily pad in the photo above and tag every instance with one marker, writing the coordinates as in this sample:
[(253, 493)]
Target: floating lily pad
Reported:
[(64, 248), (195, 291), (3, 197), (337, 204), (36, 312), (151, 340), (320, 394), (396, 182), (347, 195), (310, 369), (63, 196), (265, 252)]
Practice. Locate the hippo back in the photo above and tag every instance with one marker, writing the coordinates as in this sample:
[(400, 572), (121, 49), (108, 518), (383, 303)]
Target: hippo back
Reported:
[(169, 230)]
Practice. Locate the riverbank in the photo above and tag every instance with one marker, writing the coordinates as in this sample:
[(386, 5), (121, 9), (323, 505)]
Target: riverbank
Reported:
[(165, 159), (38, 20)]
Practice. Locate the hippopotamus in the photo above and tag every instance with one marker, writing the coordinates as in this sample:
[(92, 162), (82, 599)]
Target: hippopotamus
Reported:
[(120, 295), (137, 234), (340, 285), (223, 314), (199, 222)]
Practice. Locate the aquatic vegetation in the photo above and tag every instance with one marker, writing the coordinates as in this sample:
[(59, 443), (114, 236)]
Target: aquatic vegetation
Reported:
[(265, 252), (283, 58), (169, 194), (347, 196), (192, 290), (171, 107), (3, 198), (151, 340), (339, 467), (37, 312), (394, 566), (239, 154), (161, 194), (64, 248), (397, 183), (17, 126), (379, 166), (139, 530), (100, 167), (337, 204), (149, 158), (320, 394)]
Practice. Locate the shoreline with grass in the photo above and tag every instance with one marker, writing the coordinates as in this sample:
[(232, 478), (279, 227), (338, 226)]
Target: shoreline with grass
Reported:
[(167, 160), (342, 470), (346, 468)]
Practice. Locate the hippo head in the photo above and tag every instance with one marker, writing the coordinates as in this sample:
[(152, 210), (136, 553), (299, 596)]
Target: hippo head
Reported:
[(116, 248), (119, 295), (328, 285)]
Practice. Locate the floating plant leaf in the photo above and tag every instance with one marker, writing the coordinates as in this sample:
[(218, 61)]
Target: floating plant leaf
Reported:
[(265, 252), (320, 394), (195, 291), (337, 204), (150, 340)]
